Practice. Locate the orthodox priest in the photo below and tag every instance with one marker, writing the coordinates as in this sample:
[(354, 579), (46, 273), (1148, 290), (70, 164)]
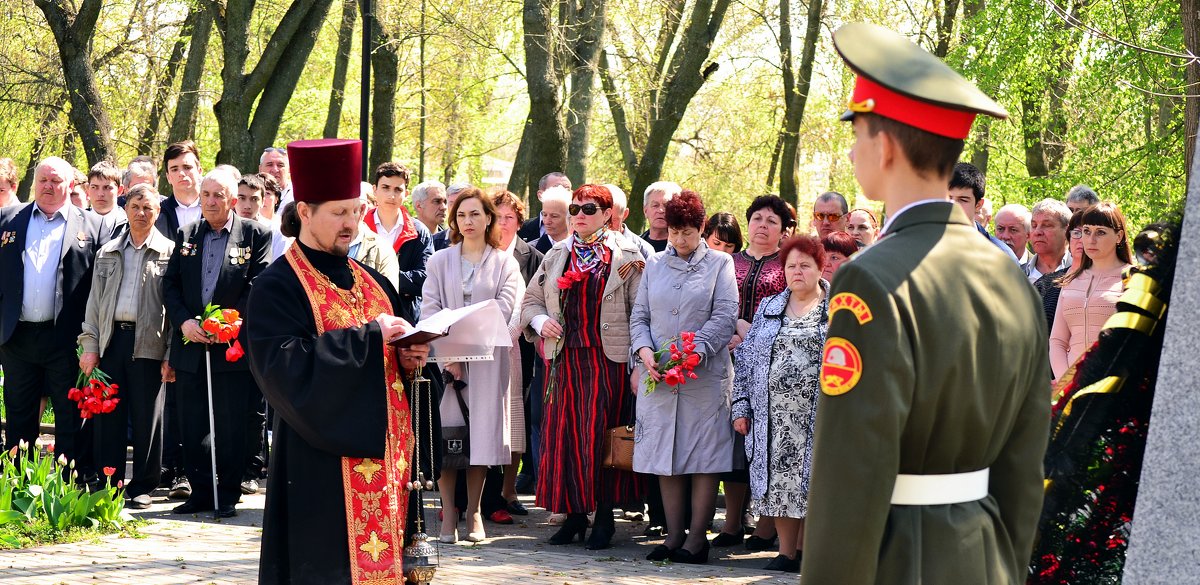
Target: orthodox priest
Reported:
[(316, 326)]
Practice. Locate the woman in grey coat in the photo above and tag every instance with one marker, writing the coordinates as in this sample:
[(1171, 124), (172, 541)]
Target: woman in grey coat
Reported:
[(683, 430)]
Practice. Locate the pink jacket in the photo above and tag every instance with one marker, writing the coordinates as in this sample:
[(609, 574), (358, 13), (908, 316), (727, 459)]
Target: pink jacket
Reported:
[(1083, 306)]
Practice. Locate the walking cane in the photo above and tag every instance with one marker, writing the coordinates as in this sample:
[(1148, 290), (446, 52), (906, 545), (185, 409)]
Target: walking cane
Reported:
[(212, 431)]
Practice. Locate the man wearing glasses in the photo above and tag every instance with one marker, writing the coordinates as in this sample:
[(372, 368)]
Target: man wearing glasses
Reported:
[(830, 213)]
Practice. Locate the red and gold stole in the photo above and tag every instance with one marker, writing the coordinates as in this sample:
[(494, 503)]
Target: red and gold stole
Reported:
[(376, 501)]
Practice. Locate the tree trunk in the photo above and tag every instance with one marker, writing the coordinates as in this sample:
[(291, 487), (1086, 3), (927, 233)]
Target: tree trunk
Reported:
[(1189, 12), (183, 124), (73, 33), (546, 133), (39, 147), (979, 152), (272, 80), (583, 80), (341, 62), (620, 121), (945, 29), (795, 92), (385, 68), (685, 74), (1031, 132), (775, 152), (150, 132), (518, 181)]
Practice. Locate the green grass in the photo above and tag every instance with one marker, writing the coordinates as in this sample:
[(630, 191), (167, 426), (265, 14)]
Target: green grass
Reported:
[(21, 535)]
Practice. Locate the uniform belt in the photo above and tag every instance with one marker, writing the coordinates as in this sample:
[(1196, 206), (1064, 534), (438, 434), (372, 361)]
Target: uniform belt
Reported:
[(932, 490), (126, 325), (38, 324)]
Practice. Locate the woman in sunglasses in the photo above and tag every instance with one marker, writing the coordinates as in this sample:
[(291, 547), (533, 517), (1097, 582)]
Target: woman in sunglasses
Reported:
[(473, 270), (1091, 289), (578, 304)]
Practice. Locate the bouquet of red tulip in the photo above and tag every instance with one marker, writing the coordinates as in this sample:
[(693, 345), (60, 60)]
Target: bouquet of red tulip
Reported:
[(94, 393), (224, 326), (680, 361)]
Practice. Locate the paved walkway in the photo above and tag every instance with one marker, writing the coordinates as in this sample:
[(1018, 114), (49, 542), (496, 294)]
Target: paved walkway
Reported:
[(196, 549)]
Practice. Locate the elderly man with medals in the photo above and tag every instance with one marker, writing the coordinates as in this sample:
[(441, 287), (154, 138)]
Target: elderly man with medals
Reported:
[(317, 326), (934, 411)]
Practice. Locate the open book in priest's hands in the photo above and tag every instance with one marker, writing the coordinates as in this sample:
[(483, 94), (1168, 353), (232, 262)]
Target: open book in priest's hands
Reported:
[(469, 333)]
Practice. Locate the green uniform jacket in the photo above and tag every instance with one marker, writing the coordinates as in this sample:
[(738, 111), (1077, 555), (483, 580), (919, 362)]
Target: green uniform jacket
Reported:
[(953, 379)]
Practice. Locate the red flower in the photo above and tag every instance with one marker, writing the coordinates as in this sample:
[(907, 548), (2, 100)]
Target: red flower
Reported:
[(230, 315), (211, 325), (50, 448), (109, 471), (234, 353), (74, 394), (564, 282), (225, 334), (692, 361), (672, 378)]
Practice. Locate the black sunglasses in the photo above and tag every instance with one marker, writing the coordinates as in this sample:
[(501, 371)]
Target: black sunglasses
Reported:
[(586, 208)]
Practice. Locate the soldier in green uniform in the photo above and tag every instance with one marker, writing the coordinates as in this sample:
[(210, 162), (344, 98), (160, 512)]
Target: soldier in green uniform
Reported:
[(934, 412)]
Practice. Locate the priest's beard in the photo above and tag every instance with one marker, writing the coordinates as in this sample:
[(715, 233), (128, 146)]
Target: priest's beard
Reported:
[(337, 244)]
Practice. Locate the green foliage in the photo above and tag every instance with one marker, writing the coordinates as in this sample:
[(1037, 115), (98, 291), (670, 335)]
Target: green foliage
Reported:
[(38, 494), (1120, 137)]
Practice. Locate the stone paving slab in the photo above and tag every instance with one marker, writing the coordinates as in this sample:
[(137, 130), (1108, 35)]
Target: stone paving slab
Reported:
[(198, 550)]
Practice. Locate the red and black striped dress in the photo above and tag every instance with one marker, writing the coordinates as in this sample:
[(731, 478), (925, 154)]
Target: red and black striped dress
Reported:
[(590, 394)]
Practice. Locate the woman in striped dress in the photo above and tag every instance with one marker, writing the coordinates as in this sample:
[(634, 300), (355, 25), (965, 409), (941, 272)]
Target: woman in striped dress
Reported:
[(578, 304)]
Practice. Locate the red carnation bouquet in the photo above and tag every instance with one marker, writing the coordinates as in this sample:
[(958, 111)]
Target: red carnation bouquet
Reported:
[(564, 282), (93, 393), (224, 326), (681, 360)]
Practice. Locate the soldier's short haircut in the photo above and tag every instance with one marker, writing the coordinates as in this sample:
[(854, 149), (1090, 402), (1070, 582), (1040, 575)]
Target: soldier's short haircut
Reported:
[(927, 153)]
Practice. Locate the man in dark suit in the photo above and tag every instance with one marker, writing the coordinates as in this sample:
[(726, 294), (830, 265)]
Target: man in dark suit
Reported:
[(182, 163), (555, 220), (216, 258), (534, 228), (46, 253)]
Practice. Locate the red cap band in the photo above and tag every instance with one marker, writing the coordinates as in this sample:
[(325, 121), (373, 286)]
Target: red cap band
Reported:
[(877, 99)]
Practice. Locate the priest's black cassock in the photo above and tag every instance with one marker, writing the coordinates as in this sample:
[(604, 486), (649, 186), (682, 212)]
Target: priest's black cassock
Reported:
[(328, 395)]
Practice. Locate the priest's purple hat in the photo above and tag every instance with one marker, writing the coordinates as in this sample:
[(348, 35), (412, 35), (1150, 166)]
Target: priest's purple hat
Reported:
[(329, 169)]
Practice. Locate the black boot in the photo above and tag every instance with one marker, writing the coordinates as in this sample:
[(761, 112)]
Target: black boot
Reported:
[(574, 525), (603, 528)]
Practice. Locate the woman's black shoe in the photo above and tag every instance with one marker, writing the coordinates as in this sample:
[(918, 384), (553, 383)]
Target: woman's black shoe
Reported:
[(784, 564), (660, 553), (515, 507), (601, 537), (760, 543), (726, 539), (574, 525), (687, 557)]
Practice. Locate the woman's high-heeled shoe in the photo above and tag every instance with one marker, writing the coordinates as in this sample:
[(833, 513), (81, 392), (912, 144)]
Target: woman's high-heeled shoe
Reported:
[(449, 538), (660, 553), (574, 525), (478, 534), (687, 557)]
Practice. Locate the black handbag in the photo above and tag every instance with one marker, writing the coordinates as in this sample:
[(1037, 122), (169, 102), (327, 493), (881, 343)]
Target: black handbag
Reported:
[(456, 440)]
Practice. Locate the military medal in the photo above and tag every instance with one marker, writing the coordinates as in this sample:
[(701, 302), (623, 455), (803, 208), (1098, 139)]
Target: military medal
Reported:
[(7, 238), (187, 249)]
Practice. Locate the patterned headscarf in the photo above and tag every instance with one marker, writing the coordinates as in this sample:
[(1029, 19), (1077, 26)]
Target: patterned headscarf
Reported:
[(590, 253)]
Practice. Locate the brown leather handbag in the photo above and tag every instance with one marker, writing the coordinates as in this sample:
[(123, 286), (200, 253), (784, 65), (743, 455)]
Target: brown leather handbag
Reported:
[(618, 448)]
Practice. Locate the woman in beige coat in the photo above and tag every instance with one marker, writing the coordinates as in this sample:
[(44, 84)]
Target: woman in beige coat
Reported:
[(579, 303), (471, 271)]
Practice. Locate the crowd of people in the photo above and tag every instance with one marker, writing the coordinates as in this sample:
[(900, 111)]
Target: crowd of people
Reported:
[(112, 267)]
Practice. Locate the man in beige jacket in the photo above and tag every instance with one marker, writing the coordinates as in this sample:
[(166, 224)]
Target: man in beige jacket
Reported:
[(126, 333)]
